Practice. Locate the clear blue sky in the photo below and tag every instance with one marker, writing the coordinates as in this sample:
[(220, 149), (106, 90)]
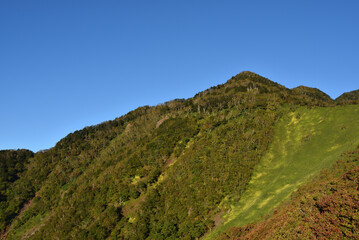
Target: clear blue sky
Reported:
[(68, 64)]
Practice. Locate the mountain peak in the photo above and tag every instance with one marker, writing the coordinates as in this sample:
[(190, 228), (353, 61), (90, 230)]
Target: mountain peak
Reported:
[(248, 73), (312, 92), (246, 77)]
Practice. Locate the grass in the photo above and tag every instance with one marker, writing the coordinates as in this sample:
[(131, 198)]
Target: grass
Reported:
[(305, 142), (27, 229)]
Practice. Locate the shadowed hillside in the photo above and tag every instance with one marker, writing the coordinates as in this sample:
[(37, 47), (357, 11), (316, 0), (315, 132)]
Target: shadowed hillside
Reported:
[(349, 97), (12, 165)]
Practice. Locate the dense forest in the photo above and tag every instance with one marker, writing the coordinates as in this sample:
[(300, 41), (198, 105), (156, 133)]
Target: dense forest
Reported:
[(12, 164), (170, 171)]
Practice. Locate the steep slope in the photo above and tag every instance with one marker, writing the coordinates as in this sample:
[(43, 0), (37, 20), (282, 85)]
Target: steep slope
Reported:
[(305, 141), (128, 170), (325, 208), (53, 168), (162, 172)]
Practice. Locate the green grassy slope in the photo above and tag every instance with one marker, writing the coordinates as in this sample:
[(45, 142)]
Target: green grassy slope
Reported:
[(327, 207), (305, 141)]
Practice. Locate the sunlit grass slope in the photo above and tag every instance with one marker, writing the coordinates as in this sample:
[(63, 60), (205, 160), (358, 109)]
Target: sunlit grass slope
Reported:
[(305, 141)]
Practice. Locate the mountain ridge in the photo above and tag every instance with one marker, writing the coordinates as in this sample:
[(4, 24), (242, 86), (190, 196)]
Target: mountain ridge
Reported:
[(349, 97), (163, 172), (249, 75)]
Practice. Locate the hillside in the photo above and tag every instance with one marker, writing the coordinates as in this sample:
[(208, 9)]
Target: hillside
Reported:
[(325, 208), (181, 169), (349, 97), (305, 142), (313, 93), (12, 165)]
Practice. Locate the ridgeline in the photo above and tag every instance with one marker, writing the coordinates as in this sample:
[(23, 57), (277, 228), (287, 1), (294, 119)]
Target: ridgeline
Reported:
[(209, 166)]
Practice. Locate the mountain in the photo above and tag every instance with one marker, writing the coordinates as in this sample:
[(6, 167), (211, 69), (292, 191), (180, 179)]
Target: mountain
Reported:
[(349, 97), (314, 93), (185, 169)]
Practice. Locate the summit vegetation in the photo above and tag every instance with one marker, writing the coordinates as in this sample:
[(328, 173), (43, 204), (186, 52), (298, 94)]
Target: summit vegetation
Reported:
[(203, 167)]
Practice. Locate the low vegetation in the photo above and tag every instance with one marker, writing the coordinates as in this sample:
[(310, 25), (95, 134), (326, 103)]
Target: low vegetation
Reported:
[(325, 208)]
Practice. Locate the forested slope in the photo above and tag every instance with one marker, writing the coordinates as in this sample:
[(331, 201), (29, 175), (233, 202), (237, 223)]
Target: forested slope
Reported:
[(12, 165), (163, 172), (348, 97)]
